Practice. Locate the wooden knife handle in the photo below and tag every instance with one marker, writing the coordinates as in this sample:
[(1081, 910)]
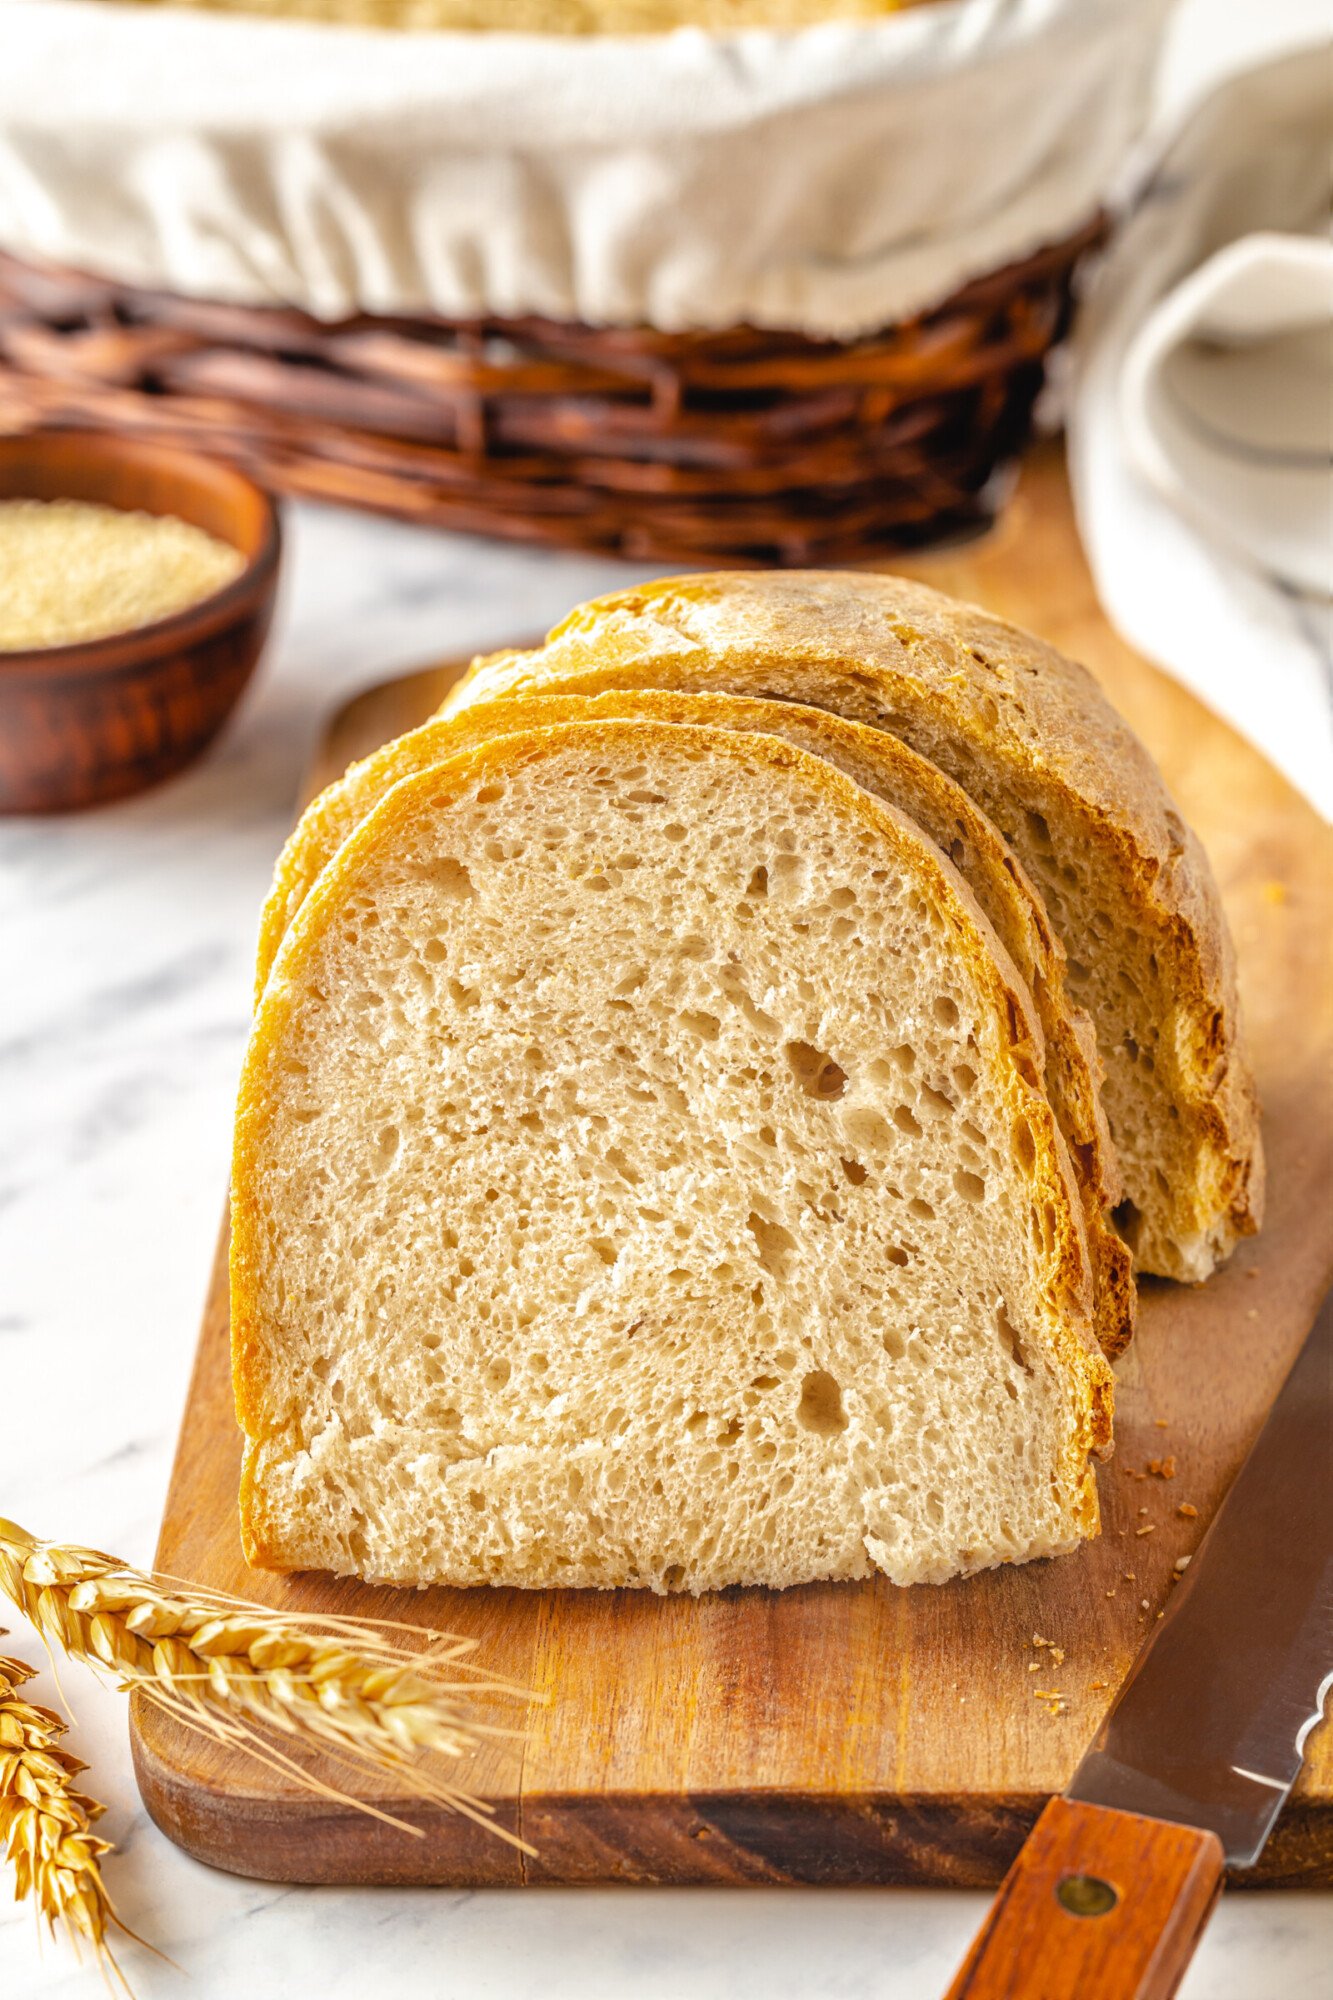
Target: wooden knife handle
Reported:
[(1099, 1905)]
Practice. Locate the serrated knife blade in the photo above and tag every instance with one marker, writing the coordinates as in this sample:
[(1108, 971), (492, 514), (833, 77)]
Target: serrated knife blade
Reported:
[(1210, 1724), (1202, 1745)]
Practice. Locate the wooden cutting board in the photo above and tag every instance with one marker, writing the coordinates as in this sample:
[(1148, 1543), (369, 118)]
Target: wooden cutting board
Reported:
[(853, 1733)]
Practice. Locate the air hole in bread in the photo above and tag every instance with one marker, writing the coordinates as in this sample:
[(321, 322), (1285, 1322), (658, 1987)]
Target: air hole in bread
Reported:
[(1009, 1338), (816, 1073), (971, 1187), (706, 1026), (854, 1172), (945, 1011), (867, 1129), (820, 1408), (734, 989), (787, 874), (907, 1121), (757, 886), (921, 1209), (773, 1243), (447, 877), (1039, 833)]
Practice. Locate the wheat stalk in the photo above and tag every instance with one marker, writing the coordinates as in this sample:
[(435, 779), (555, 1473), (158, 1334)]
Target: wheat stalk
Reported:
[(270, 1683), (46, 1822)]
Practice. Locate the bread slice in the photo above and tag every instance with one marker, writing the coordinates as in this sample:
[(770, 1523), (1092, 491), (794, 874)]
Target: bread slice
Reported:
[(643, 1177), (883, 766), (1029, 735)]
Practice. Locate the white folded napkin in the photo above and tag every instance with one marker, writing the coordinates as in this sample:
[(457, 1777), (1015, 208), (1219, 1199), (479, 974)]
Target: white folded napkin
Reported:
[(1200, 418)]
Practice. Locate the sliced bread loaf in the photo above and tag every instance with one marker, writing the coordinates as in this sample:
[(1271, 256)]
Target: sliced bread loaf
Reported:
[(1029, 735), (643, 1176), (885, 767)]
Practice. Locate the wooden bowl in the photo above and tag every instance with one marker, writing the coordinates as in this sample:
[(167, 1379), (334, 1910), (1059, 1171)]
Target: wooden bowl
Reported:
[(86, 723)]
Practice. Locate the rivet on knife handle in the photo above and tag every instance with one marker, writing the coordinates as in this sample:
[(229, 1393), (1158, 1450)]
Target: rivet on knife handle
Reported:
[(1098, 1903)]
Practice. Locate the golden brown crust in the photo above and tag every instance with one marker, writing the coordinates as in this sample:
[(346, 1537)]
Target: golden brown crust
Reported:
[(1021, 727), (887, 767), (1067, 1279)]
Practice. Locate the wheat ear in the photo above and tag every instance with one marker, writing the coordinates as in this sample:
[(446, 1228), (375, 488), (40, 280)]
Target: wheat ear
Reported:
[(46, 1822), (266, 1682)]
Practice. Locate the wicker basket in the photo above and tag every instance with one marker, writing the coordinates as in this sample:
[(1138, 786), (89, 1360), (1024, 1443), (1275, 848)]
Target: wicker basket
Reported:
[(734, 447)]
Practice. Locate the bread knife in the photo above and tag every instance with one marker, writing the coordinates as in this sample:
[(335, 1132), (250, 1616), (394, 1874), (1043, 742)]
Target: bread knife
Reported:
[(1196, 1756)]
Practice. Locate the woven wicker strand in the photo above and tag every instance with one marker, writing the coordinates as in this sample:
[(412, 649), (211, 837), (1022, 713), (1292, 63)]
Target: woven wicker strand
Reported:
[(742, 446)]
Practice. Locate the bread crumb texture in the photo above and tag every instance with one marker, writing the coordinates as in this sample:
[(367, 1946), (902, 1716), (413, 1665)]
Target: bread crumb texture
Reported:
[(644, 1177)]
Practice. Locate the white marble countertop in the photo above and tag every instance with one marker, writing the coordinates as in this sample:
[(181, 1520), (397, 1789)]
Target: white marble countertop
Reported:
[(123, 1008)]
